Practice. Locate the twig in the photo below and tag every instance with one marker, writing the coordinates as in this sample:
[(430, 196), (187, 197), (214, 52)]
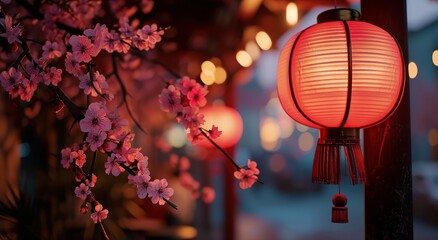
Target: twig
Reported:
[(125, 94), (220, 149)]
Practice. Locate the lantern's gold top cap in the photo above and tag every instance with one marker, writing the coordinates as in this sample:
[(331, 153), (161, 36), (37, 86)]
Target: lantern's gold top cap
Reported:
[(343, 14)]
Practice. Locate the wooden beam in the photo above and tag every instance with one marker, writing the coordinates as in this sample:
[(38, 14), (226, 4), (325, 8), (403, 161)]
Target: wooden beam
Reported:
[(388, 192)]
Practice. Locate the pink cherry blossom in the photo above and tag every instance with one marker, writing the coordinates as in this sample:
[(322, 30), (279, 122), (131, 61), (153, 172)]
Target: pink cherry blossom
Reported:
[(195, 136), (186, 84), (252, 165), (247, 178), (196, 96), (11, 33), (142, 184), (65, 157), (51, 50), (72, 65), (184, 164), (78, 157), (9, 79), (158, 191), (112, 42), (139, 43), (99, 213), (93, 181), (95, 140), (95, 87), (208, 194), (53, 76), (82, 191), (95, 119), (83, 48), (125, 28), (117, 122), (97, 34), (142, 164), (112, 165), (169, 99), (214, 132), (27, 88), (151, 34)]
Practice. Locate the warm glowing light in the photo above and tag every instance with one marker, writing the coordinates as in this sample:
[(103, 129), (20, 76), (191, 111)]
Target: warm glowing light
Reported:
[(243, 58), (314, 65), (292, 13), (186, 232), (207, 79), (220, 75), (253, 49), (435, 57), (208, 68), (176, 136), (412, 70), (433, 137), (270, 131), (273, 108), (277, 163), (306, 141), (263, 40), (270, 146), (228, 120)]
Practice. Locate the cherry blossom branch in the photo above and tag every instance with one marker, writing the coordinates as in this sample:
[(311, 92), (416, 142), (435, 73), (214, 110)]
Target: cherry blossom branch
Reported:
[(72, 107), (103, 229), (125, 94), (203, 132), (34, 10), (229, 158)]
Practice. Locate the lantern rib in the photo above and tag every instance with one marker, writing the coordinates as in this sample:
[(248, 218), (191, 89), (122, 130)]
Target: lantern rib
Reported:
[(350, 74), (291, 88)]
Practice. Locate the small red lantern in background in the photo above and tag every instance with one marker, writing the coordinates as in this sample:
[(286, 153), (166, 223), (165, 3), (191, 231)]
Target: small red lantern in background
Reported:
[(228, 120), (340, 75)]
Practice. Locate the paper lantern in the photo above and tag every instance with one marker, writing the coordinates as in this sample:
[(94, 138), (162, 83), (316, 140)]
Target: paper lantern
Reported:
[(340, 75), (228, 120)]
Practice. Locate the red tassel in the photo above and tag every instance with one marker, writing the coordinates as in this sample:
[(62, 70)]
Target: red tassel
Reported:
[(327, 157), (339, 211)]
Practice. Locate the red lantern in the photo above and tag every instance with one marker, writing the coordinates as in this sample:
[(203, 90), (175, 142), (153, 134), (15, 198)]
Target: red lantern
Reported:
[(228, 120), (340, 75)]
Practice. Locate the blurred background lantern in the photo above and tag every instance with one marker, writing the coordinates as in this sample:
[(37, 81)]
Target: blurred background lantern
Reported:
[(228, 120), (340, 75)]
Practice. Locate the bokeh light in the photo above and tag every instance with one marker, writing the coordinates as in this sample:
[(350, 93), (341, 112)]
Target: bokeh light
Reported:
[(263, 40), (306, 141), (292, 13), (253, 50), (269, 133), (175, 136), (435, 57), (208, 68), (300, 127), (243, 58), (220, 75), (412, 70)]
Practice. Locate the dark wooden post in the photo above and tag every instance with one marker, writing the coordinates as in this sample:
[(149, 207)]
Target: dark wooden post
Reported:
[(388, 192)]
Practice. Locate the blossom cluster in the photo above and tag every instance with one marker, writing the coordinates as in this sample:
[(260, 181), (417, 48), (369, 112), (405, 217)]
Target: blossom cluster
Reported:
[(182, 167), (71, 41), (184, 98), (247, 176), (105, 132), (24, 83)]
